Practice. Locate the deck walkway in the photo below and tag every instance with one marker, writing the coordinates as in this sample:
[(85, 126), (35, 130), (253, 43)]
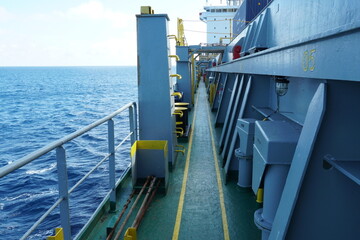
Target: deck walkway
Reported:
[(194, 207), (202, 216)]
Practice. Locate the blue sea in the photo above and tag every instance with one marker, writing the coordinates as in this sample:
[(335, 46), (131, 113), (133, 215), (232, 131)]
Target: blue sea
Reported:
[(39, 105)]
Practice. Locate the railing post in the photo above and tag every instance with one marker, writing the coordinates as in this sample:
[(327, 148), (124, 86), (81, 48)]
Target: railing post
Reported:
[(63, 191), (136, 122), (132, 120), (111, 143)]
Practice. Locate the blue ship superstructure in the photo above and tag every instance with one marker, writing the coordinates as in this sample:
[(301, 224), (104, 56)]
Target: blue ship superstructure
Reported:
[(289, 84)]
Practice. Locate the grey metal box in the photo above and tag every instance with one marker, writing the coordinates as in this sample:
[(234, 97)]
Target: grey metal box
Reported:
[(245, 128), (274, 143)]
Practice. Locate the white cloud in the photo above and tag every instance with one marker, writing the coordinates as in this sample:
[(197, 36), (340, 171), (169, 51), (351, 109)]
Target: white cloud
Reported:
[(95, 10), (115, 50), (4, 14), (92, 9)]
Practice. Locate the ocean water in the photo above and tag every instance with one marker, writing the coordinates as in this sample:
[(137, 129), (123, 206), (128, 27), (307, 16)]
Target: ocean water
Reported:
[(39, 105)]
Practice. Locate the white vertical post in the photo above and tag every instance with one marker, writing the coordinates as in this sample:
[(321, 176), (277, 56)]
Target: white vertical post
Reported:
[(63, 191), (111, 144)]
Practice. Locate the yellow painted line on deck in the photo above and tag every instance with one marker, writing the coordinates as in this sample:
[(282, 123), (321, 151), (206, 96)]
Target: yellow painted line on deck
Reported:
[(219, 182), (183, 187)]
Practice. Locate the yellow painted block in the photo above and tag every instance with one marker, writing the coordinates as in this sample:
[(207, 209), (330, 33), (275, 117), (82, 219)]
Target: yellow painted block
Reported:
[(260, 195), (149, 144), (59, 235), (146, 10), (130, 234)]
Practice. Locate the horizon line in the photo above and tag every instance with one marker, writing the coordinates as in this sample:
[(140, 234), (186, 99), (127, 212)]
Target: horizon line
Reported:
[(70, 66)]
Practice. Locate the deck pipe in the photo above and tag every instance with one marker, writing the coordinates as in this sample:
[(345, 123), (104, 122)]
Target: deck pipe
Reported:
[(274, 183), (126, 205), (136, 225), (131, 209), (142, 207), (245, 169)]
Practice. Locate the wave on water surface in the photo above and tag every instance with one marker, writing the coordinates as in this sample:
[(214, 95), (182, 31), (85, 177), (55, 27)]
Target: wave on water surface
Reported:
[(39, 105)]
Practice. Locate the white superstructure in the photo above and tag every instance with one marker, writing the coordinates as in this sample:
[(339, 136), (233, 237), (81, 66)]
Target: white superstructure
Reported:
[(219, 21)]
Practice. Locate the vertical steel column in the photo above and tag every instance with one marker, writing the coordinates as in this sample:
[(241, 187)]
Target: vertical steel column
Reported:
[(111, 144), (156, 105), (63, 191)]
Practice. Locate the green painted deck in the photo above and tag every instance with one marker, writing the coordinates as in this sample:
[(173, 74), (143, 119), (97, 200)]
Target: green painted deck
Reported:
[(201, 216)]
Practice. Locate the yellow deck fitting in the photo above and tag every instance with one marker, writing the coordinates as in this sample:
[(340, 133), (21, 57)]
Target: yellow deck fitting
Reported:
[(180, 113), (180, 108), (175, 56), (181, 104), (181, 151), (177, 94), (173, 37), (176, 75), (146, 10), (212, 93), (180, 146), (130, 234), (59, 235), (179, 131), (260, 195)]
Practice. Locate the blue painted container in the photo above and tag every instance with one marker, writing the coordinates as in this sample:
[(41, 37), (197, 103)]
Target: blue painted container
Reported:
[(246, 13)]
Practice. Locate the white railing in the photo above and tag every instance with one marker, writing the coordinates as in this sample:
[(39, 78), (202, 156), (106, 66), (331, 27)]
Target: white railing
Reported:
[(64, 192)]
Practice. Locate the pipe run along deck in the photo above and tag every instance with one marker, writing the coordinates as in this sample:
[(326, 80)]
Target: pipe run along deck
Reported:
[(198, 204)]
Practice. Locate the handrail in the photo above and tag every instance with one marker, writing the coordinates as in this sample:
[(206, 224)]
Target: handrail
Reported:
[(64, 192), (36, 154)]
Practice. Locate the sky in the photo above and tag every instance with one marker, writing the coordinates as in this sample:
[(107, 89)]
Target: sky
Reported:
[(84, 32)]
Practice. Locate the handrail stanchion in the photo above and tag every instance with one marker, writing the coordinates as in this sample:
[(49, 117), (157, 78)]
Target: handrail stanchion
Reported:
[(136, 122), (111, 142), (132, 124), (63, 191)]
